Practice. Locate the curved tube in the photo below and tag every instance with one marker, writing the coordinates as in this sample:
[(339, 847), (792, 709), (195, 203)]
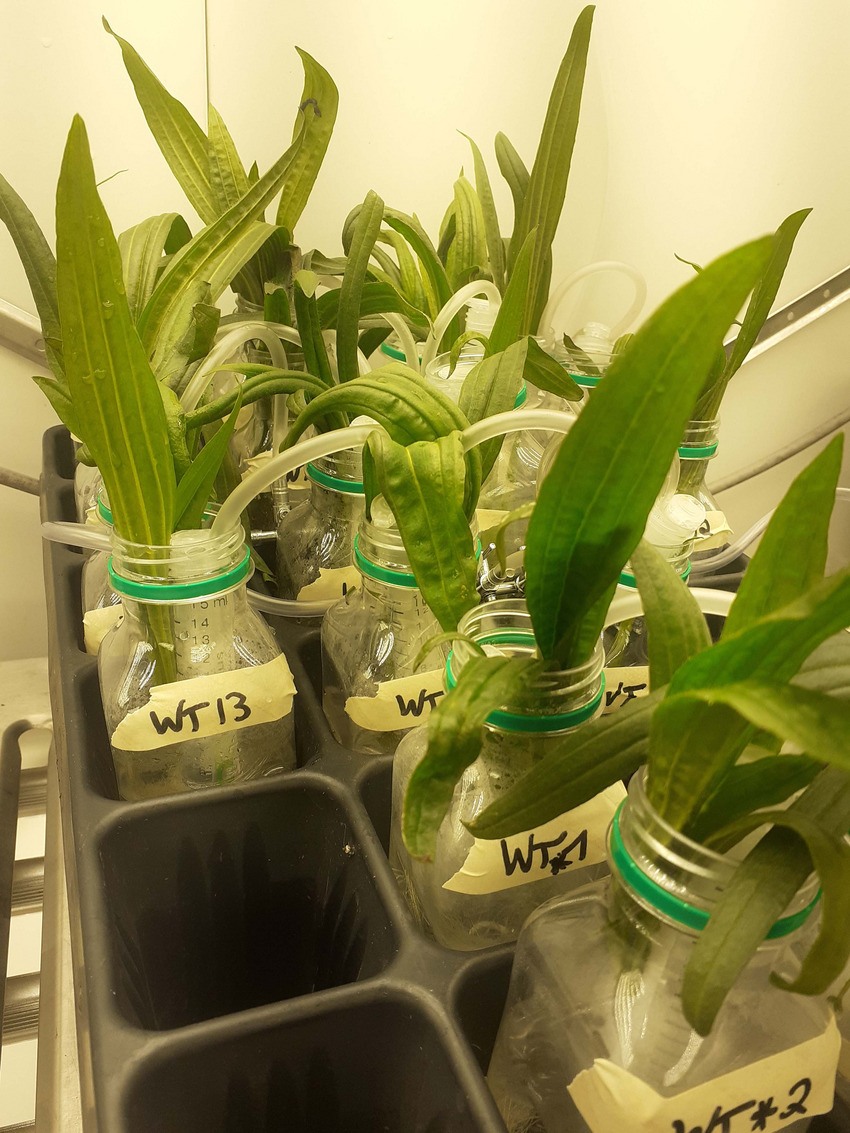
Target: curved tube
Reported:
[(288, 334), (629, 605), (323, 445), (76, 535), (516, 421), (558, 295), (221, 352), (284, 608), (405, 338), (458, 300)]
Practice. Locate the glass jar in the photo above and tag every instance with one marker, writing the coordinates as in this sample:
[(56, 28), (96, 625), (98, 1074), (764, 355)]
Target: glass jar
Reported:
[(315, 541), (372, 692), (102, 607), (477, 893), (87, 484), (697, 450), (195, 690), (588, 363), (593, 1036)]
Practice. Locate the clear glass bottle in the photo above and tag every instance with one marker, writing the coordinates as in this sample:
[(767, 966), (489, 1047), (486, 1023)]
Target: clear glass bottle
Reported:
[(195, 689), (477, 893), (594, 1025), (102, 608), (315, 541), (87, 484), (372, 692), (587, 364), (697, 450)]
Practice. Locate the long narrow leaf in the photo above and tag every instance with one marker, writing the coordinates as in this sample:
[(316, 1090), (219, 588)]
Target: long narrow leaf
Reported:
[(592, 507), (310, 331), (228, 178), (507, 328), (676, 628), (454, 741), (181, 140), (318, 109), (116, 399), (547, 186), (495, 245), (365, 233), (142, 249), (492, 387), (514, 171), (196, 485), (424, 485), (785, 566), (468, 251), (375, 299), (39, 264)]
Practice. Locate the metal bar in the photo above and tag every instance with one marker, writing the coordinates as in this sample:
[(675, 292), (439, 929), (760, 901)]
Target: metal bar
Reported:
[(10, 776), (21, 332), (20, 1011), (28, 885)]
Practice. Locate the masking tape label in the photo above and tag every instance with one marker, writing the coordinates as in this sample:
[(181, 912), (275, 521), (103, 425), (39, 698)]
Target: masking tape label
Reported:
[(332, 583), (208, 706), (98, 623), (765, 1096), (398, 704), (575, 839), (624, 683), (844, 1059)]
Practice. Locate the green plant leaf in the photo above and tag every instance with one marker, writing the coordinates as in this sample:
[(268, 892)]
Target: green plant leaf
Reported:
[(366, 230), (375, 299), (495, 245), (175, 420), (747, 787), (410, 281), (276, 308), (543, 371), (495, 535), (205, 266), (117, 404), (316, 118), (587, 761), (228, 178), (424, 486), (443, 639), (785, 566), (417, 238), (468, 250), (142, 250), (454, 741), (507, 328), (56, 393), (396, 397), (181, 140), (448, 231), (676, 628), (694, 744), (513, 170), (39, 264), (260, 381), (827, 669), (491, 387), (761, 889), (592, 506), (463, 340), (196, 484), (765, 292), (818, 723), (370, 340), (310, 330), (544, 197)]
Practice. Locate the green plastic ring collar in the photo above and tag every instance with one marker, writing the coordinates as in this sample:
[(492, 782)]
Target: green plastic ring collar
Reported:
[(517, 721), (393, 352), (316, 474), (379, 573), (103, 511), (627, 579), (522, 396), (156, 591), (692, 452), (674, 907), (588, 381)]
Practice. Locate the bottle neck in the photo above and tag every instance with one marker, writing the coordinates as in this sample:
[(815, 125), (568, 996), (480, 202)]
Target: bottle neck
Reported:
[(197, 565), (673, 881), (555, 701)]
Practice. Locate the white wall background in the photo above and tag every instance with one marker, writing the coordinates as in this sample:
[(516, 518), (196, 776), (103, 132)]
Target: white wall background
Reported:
[(704, 124)]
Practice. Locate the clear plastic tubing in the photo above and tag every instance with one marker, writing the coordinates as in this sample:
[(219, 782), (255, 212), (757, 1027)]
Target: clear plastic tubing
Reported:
[(77, 535), (405, 338), (326, 444), (558, 296), (267, 333), (454, 306), (629, 605)]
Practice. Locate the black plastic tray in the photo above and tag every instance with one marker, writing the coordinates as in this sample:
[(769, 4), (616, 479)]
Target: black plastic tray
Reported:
[(244, 961)]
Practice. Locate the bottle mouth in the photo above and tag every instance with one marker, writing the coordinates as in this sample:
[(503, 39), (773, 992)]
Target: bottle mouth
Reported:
[(700, 440), (628, 579), (440, 376), (556, 701), (196, 564), (341, 472), (673, 876), (366, 551), (391, 349)]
